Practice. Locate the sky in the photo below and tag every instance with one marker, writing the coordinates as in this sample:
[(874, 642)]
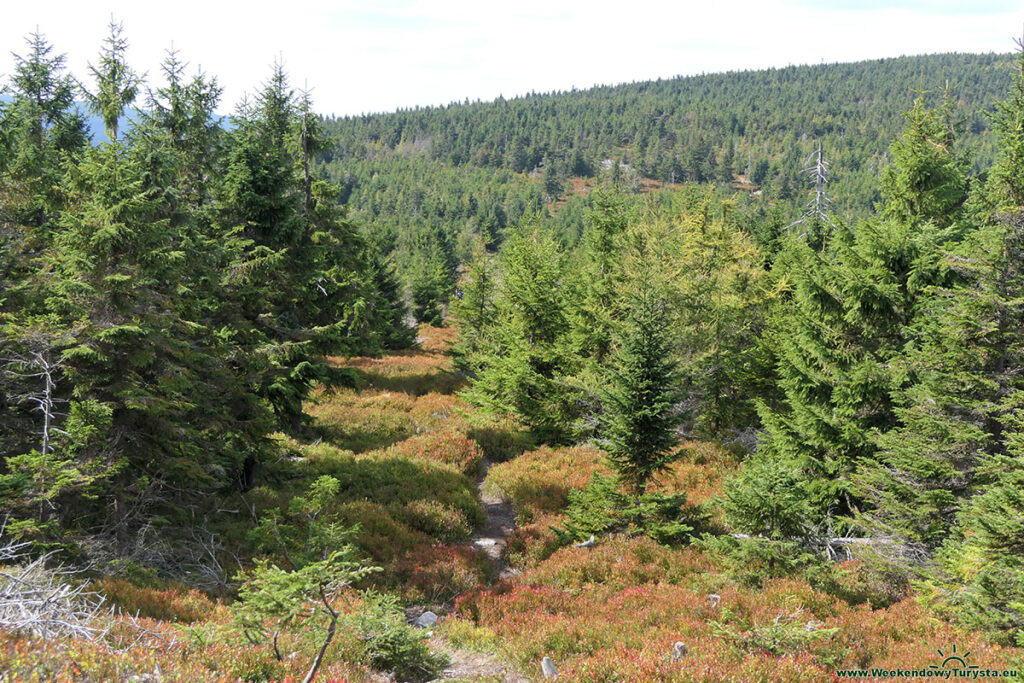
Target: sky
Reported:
[(362, 57)]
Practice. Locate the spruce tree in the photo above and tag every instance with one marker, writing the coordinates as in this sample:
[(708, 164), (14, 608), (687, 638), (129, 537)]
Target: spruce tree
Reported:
[(389, 313), (841, 339), (40, 128), (117, 85), (184, 109), (528, 364), (959, 365), (640, 412), (1006, 181), (981, 567), (473, 310), (979, 570), (926, 179), (593, 319), (637, 431), (957, 368)]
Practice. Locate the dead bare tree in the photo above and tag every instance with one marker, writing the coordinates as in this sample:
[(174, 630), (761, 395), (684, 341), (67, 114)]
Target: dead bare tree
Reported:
[(37, 366), (46, 602), (819, 207)]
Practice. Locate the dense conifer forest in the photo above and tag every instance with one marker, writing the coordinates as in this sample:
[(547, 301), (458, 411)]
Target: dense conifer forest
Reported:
[(446, 176), (704, 379)]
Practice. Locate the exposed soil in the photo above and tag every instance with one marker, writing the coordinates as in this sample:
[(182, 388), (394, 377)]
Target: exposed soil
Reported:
[(491, 538), (474, 666), (499, 524)]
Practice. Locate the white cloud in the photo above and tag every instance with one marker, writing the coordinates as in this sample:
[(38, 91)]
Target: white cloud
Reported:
[(377, 56)]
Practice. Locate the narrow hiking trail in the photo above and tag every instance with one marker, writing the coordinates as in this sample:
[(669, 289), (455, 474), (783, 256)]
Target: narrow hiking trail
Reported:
[(491, 537), (404, 397), (498, 525)]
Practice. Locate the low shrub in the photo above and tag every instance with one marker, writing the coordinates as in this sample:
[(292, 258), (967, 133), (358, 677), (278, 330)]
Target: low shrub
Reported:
[(380, 536), (441, 522), (612, 613), (466, 635), (602, 507), (534, 542), (539, 481), (500, 439), (446, 446), (620, 562), (392, 645), (437, 574), (173, 603)]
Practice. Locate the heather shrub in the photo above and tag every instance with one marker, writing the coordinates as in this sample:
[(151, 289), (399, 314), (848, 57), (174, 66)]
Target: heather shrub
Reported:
[(380, 535), (611, 614), (534, 542), (539, 481), (620, 562), (361, 421), (447, 446), (700, 472), (464, 634), (501, 440), (395, 480), (415, 372), (441, 522), (437, 574), (172, 603), (880, 582)]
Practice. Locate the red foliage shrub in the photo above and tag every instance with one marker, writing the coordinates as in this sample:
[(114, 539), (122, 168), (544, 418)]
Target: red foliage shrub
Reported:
[(539, 481), (613, 613), (442, 522), (533, 542), (173, 603), (437, 574), (448, 446)]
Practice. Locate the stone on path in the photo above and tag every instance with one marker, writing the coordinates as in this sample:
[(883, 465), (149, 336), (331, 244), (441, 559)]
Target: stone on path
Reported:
[(547, 667), (427, 620)]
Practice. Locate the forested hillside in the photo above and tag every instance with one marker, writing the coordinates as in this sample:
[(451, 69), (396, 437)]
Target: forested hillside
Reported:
[(447, 174), (652, 436)]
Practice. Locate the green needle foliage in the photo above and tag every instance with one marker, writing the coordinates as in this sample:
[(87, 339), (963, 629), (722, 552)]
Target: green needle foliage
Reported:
[(305, 598), (638, 433), (167, 299), (527, 361), (117, 85), (314, 596), (640, 412)]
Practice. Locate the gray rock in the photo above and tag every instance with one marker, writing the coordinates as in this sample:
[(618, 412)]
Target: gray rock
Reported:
[(547, 667), (679, 651), (589, 543), (426, 620)]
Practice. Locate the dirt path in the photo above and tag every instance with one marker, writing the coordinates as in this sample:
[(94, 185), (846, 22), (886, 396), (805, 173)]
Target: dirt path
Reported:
[(491, 538), (474, 666), (498, 525)]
